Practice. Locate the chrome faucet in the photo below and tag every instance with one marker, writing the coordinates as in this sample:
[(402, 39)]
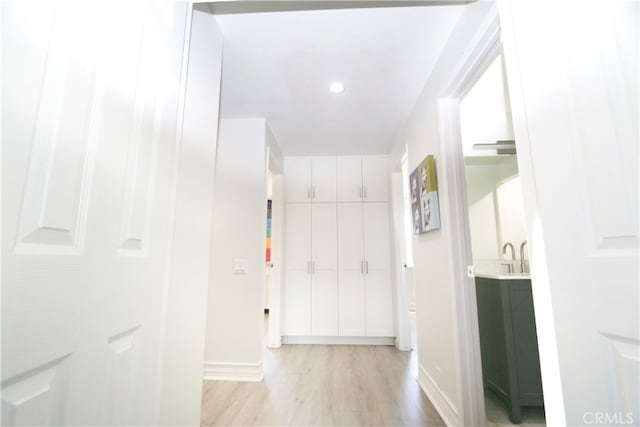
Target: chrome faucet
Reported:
[(513, 250), (523, 264), (513, 255)]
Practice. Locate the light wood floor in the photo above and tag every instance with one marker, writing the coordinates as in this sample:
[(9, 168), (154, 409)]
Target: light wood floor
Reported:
[(498, 414), (324, 385)]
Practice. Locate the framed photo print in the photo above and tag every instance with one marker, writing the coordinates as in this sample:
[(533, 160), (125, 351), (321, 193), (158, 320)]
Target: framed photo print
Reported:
[(424, 196)]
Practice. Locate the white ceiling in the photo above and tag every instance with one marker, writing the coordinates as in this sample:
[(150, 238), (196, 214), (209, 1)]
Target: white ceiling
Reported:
[(279, 65)]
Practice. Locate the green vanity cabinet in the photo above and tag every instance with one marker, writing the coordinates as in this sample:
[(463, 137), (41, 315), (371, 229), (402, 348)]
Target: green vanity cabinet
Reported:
[(508, 343)]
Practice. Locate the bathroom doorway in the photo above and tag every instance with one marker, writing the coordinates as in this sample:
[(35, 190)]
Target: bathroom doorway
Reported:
[(506, 322)]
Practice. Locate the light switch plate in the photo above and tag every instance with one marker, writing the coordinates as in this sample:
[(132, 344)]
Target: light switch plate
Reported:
[(240, 265)]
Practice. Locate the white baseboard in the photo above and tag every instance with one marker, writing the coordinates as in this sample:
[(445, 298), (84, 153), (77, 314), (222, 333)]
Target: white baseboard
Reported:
[(224, 371), (276, 343), (401, 347), (339, 340), (447, 410)]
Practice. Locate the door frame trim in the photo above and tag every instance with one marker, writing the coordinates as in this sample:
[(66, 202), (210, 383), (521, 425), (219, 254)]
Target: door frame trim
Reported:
[(274, 329), (482, 49), (403, 323)]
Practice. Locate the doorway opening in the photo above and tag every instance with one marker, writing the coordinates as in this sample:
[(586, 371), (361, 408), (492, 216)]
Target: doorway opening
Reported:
[(511, 380), (268, 264), (408, 232), (403, 243), (274, 223)]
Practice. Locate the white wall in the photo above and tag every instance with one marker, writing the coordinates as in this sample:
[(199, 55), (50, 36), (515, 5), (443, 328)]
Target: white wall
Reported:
[(234, 321), (496, 212), (485, 112), (483, 223), (439, 370), (276, 159), (511, 219), (189, 269)]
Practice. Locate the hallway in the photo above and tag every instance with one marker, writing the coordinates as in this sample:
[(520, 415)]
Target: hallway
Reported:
[(324, 385), (138, 138)]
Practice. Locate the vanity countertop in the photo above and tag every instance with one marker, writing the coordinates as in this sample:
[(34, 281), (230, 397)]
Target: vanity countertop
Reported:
[(505, 276)]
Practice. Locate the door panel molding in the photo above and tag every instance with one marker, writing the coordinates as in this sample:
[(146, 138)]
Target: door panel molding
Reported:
[(146, 119), (37, 396), (119, 374), (56, 196)]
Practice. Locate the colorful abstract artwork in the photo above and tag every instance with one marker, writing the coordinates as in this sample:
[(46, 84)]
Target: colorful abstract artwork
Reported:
[(424, 196), (268, 255)]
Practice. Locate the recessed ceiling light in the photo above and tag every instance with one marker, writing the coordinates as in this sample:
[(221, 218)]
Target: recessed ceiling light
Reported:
[(336, 87)]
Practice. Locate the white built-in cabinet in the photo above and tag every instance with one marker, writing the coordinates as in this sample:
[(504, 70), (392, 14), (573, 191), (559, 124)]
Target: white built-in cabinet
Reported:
[(310, 179), (337, 254), (363, 178), (364, 272), (297, 284), (351, 294), (311, 270), (324, 270)]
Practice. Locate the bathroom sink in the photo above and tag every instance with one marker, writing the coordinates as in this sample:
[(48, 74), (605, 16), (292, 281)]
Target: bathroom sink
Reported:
[(505, 276)]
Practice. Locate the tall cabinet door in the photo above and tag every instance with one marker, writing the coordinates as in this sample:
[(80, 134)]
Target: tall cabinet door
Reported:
[(324, 270), (378, 293), (323, 179), (375, 178), (297, 301), (298, 179), (351, 295), (350, 179)]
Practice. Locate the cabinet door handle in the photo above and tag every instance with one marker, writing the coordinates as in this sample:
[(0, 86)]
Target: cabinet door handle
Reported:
[(308, 192), (361, 267), (365, 192), (360, 192), (366, 267)]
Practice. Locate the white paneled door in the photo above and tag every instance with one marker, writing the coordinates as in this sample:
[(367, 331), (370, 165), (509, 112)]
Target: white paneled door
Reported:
[(365, 292), (375, 178), (351, 270), (298, 183), (324, 270), (310, 179), (297, 300), (574, 94), (363, 178), (323, 179), (89, 107), (377, 252), (350, 179)]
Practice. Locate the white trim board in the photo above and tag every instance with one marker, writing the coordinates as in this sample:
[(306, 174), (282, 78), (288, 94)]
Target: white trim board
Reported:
[(274, 338), (403, 323), (446, 409), (339, 340), (482, 48), (225, 371)]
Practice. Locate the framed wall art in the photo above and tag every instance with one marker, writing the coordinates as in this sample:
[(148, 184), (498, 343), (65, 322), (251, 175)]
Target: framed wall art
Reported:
[(424, 196)]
